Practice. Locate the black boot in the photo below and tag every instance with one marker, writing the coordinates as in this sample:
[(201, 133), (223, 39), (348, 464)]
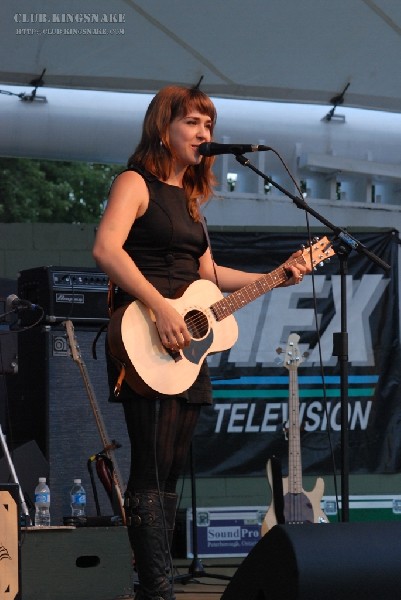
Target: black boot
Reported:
[(148, 540)]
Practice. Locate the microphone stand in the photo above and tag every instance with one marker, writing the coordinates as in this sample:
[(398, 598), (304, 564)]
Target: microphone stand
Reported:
[(196, 568), (346, 243)]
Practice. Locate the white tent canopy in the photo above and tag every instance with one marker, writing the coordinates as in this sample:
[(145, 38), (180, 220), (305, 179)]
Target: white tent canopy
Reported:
[(281, 50)]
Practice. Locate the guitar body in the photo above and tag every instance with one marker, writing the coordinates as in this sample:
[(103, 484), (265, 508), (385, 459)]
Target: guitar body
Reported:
[(299, 508), (134, 340)]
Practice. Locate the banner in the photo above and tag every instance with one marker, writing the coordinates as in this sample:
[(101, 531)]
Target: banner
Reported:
[(248, 422)]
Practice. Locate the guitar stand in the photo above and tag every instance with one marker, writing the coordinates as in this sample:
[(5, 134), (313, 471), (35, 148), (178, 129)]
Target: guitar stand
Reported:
[(196, 569), (93, 485), (28, 520), (107, 484)]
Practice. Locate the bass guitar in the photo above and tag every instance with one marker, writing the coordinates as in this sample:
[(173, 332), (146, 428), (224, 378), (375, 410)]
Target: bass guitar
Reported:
[(298, 506), (114, 487), (151, 367)]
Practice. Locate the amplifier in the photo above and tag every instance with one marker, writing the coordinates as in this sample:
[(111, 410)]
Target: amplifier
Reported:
[(75, 293)]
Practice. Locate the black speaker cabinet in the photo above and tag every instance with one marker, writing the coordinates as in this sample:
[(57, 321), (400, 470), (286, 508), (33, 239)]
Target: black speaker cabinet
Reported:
[(53, 408), (10, 572), (87, 563), (338, 561)]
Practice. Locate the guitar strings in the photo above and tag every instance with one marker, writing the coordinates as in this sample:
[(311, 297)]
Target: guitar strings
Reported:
[(278, 274), (245, 295), (296, 493), (193, 322)]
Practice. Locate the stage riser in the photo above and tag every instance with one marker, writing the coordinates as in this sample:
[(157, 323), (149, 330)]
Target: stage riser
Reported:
[(80, 564)]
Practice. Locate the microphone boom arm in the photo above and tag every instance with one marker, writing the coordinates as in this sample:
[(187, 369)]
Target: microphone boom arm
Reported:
[(344, 236)]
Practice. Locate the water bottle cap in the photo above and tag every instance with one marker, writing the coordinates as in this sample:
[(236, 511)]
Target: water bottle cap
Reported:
[(42, 479), (77, 481)]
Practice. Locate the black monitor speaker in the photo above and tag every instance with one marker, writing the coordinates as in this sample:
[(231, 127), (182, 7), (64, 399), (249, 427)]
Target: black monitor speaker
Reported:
[(337, 561)]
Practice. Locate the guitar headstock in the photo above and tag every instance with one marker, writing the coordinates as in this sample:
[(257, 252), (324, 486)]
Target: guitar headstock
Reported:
[(315, 254), (293, 357)]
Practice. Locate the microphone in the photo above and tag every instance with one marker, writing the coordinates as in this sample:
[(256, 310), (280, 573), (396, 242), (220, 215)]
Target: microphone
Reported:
[(15, 304), (212, 148)]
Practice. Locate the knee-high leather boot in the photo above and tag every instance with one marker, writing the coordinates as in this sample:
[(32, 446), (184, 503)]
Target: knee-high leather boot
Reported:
[(170, 507), (148, 540)]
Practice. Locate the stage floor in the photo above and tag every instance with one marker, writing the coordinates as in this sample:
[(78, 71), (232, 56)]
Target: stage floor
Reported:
[(205, 586), (201, 589)]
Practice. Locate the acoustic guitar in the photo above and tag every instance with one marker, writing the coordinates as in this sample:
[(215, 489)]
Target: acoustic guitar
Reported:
[(299, 506), (150, 367), (114, 488)]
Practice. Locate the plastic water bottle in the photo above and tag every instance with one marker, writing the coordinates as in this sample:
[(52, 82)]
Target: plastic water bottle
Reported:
[(78, 499), (42, 504)]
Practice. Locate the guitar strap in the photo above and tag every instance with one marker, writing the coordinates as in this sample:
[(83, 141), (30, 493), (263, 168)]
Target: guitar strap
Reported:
[(111, 289), (204, 225)]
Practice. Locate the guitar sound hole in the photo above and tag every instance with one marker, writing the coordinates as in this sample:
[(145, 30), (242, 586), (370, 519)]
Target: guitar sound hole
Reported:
[(197, 324)]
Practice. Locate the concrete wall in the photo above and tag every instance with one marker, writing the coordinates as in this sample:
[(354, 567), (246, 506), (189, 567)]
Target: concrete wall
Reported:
[(27, 245)]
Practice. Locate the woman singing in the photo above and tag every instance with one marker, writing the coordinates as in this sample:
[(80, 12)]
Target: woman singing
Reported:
[(151, 243)]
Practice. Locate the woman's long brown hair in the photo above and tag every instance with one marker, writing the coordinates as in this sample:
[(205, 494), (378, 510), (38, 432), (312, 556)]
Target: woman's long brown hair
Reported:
[(154, 153)]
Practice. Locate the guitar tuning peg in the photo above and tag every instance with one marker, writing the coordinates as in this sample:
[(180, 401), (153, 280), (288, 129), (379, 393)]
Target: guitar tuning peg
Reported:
[(315, 239), (279, 350)]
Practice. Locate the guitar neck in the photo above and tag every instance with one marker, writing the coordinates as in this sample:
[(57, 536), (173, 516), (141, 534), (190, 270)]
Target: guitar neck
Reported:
[(229, 304), (101, 426), (91, 395), (314, 255), (294, 441)]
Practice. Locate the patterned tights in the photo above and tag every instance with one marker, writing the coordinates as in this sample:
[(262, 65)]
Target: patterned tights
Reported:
[(160, 432)]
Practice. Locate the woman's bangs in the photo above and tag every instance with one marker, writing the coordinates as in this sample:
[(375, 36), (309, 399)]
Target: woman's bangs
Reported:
[(203, 105)]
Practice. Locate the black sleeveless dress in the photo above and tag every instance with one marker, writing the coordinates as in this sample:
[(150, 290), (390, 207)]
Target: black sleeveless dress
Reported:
[(166, 244)]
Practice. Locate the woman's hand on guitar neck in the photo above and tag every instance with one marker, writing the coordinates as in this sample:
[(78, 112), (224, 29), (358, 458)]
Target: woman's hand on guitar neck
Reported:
[(296, 270)]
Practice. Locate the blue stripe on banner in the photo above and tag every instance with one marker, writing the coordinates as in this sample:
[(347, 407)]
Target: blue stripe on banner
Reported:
[(283, 380), (311, 393)]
